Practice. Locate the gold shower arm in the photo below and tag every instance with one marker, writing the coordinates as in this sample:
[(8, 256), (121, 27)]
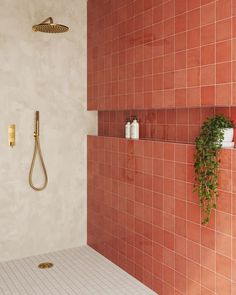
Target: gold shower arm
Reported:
[(49, 19)]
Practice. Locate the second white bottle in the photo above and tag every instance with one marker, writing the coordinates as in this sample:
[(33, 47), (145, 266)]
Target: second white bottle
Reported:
[(134, 129)]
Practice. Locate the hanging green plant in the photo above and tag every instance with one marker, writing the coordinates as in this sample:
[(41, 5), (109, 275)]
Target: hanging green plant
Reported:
[(206, 166)]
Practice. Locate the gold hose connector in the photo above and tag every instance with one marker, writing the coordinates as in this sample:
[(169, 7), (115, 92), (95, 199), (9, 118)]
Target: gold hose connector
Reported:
[(37, 148)]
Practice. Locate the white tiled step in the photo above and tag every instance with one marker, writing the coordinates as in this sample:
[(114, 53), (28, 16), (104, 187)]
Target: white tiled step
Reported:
[(78, 271)]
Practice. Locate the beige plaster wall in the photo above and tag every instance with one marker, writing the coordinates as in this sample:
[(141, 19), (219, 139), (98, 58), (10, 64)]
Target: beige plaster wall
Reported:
[(45, 72)]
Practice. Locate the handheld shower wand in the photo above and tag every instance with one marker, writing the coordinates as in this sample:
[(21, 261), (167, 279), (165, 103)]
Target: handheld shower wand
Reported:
[(37, 148), (36, 123)]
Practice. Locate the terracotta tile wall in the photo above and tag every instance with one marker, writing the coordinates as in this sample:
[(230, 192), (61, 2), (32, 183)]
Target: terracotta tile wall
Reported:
[(148, 54), (143, 216), (171, 63), (177, 125)]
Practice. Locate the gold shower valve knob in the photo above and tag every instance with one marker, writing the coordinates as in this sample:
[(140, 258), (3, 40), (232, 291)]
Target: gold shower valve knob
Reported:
[(12, 135)]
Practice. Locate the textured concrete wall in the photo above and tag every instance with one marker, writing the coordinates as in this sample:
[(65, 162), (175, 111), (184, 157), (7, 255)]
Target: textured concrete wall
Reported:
[(45, 72)]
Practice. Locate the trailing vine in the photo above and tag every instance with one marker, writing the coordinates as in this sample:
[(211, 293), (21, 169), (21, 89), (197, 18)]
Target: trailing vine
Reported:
[(206, 166)]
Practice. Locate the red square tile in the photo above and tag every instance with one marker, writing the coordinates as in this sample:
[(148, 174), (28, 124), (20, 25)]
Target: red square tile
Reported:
[(157, 285), (158, 235), (158, 252), (180, 264), (193, 38), (223, 285), (223, 222), (180, 171), (193, 96), (157, 269), (157, 14), (169, 257), (223, 30), (193, 57), (169, 240), (169, 45), (193, 212), (169, 62), (182, 118), (223, 244), (190, 174), (158, 65), (182, 135), (208, 14), (208, 279), (208, 54), (193, 271), (168, 151), (180, 41), (207, 95), (180, 283), (193, 18), (193, 232), (180, 227), (169, 222), (158, 167), (208, 34), (191, 4), (180, 189), (180, 245), (193, 288), (180, 96), (180, 78), (169, 169), (234, 248), (223, 94), (168, 9), (223, 51), (180, 208), (223, 266), (208, 258), (208, 75), (180, 6), (180, 23), (208, 238), (169, 80), (180, 153), (168, 275), (168, 204), (193, 77), (193, 251), (223, 9), (224, 202), (223, 73)]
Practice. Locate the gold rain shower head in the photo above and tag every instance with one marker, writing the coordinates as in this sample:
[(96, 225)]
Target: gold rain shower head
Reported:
[(47, 26)]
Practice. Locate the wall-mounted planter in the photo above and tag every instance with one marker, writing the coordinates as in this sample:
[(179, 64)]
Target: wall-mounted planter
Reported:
[(228, 138)]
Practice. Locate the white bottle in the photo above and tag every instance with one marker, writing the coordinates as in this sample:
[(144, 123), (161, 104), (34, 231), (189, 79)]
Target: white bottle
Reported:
[(134, 130), (127, 129)]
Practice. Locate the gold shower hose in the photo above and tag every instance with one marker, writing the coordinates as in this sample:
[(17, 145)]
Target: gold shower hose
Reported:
[(37, 148)]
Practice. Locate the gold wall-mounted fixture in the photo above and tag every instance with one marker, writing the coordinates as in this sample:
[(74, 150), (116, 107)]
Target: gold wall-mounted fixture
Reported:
[(12, 135), (47, 26)]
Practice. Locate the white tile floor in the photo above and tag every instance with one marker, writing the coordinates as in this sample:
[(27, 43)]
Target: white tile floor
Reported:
[(80, 271)]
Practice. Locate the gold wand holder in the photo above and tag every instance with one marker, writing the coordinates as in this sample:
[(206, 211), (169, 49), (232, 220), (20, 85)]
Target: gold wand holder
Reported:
[(12, 135)]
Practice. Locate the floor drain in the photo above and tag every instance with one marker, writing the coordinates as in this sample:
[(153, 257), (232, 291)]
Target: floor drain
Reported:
[(45, 265)]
